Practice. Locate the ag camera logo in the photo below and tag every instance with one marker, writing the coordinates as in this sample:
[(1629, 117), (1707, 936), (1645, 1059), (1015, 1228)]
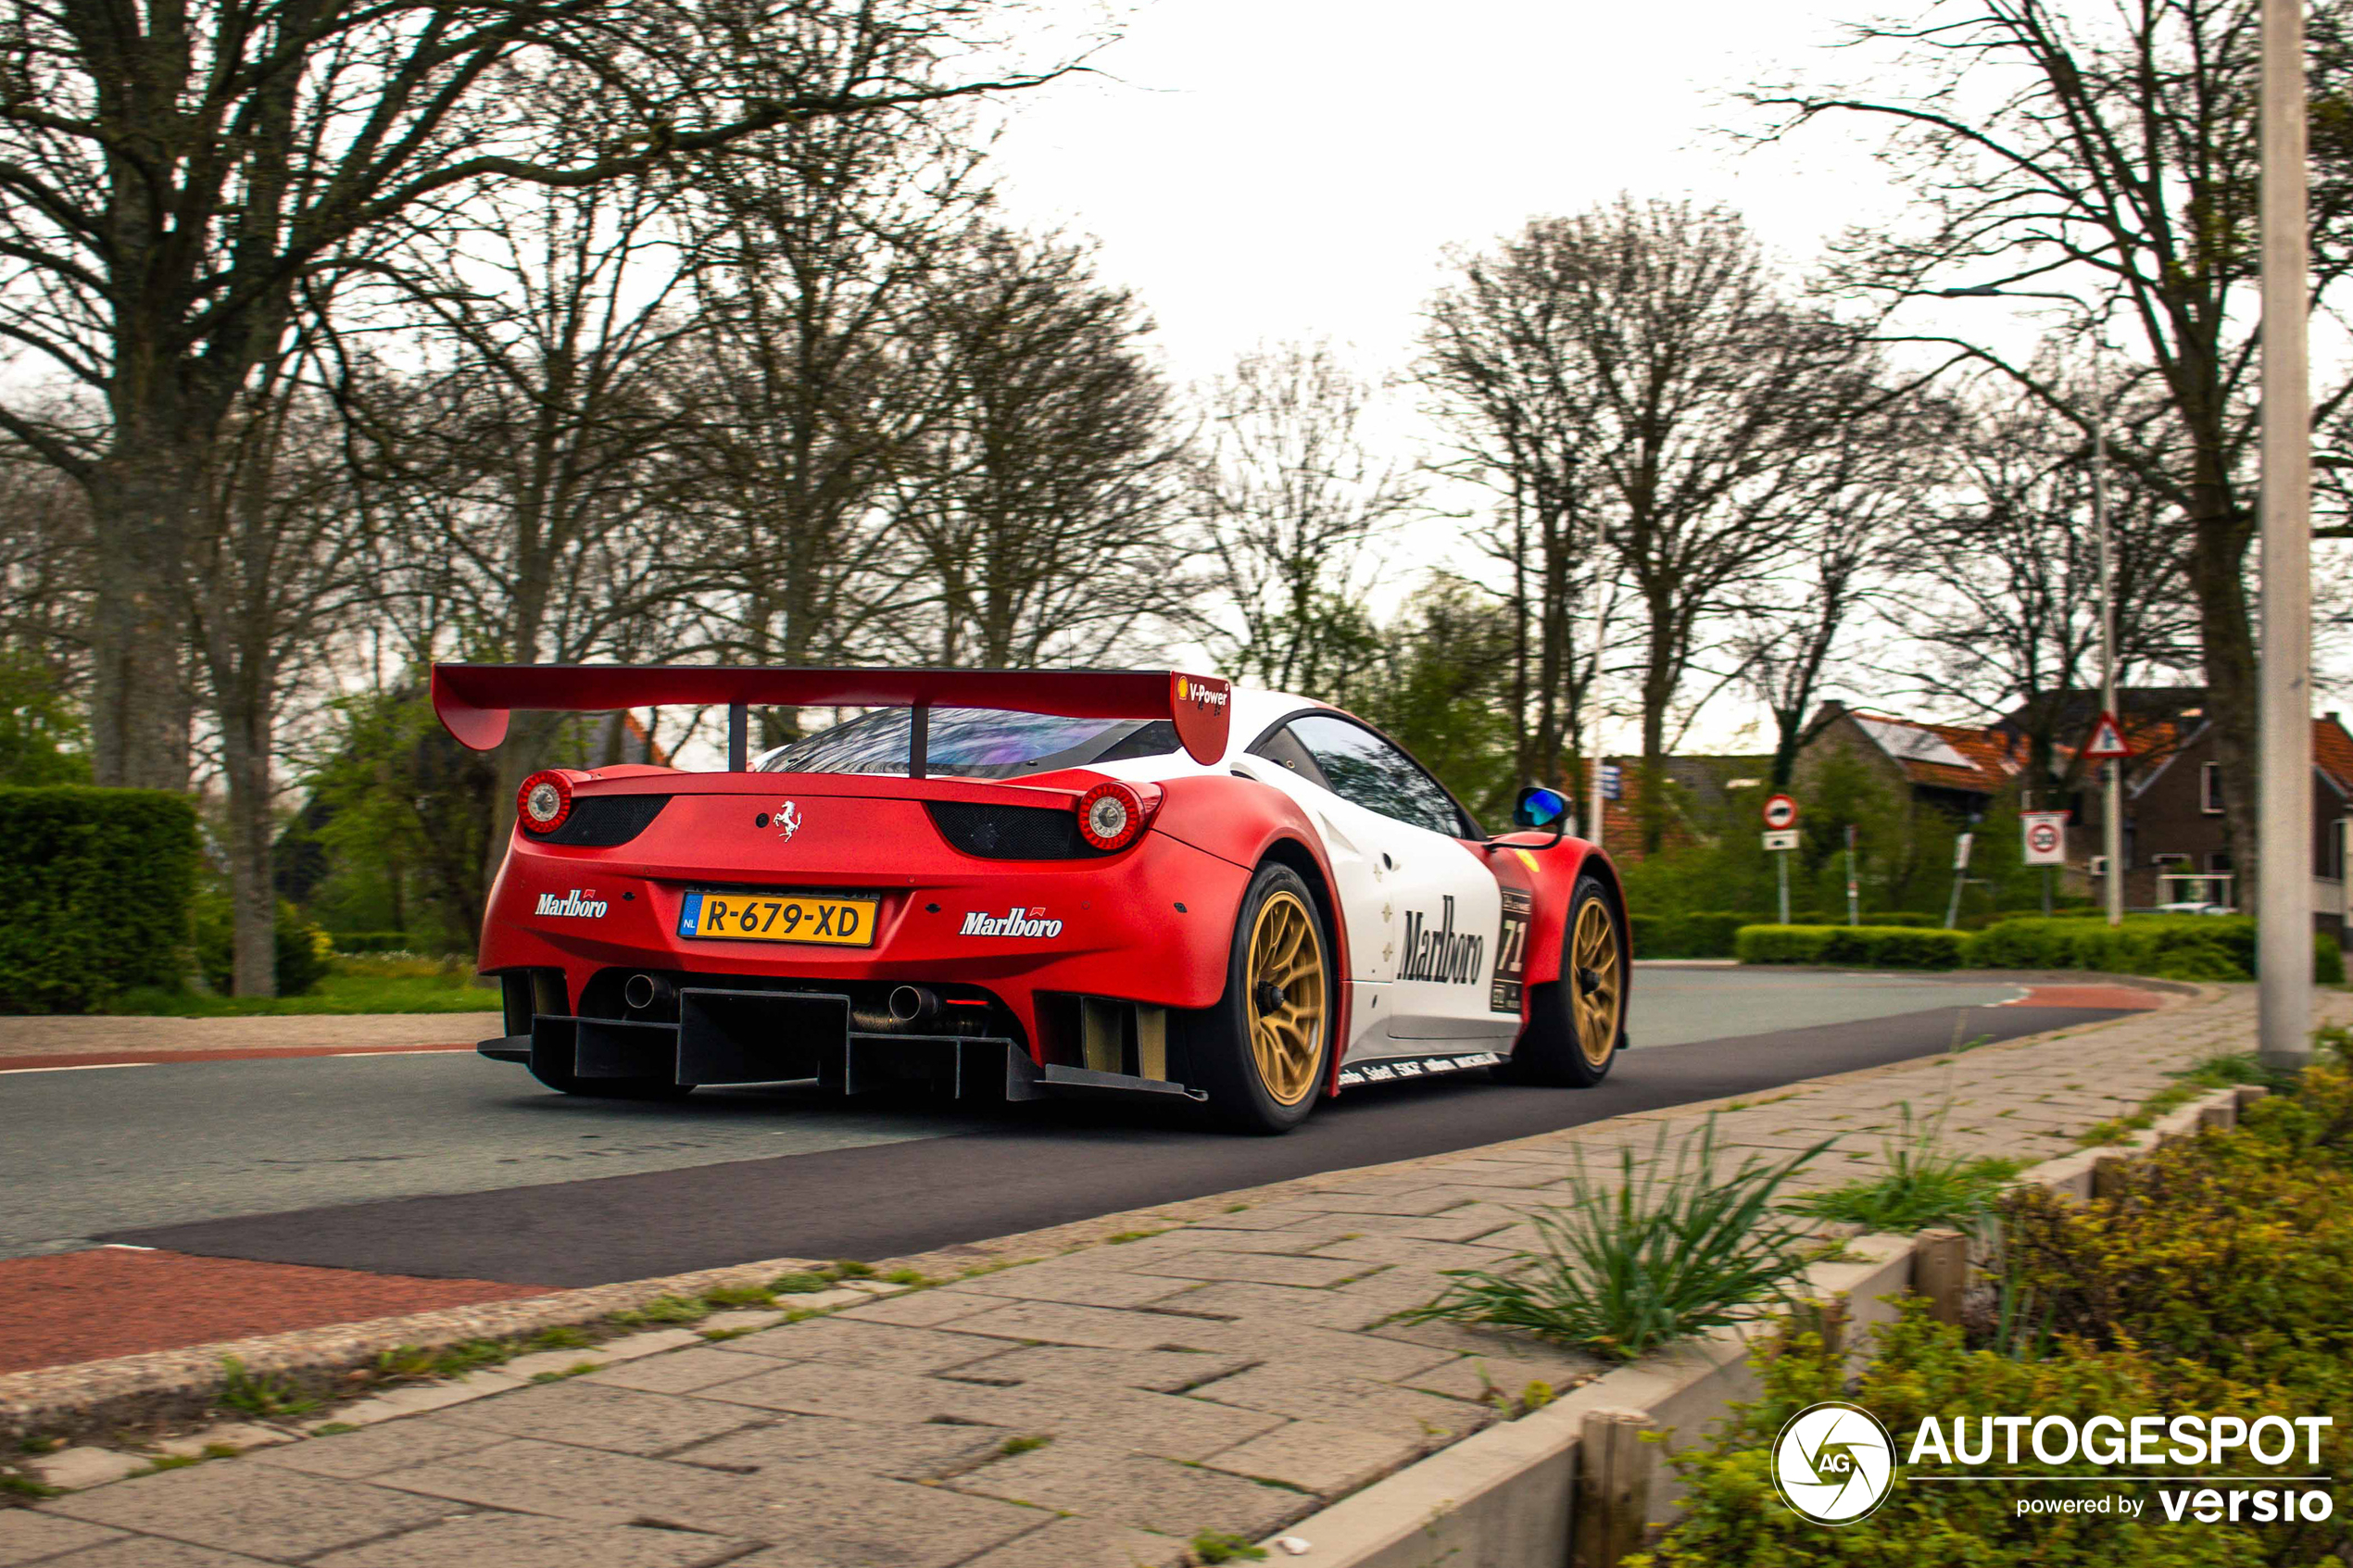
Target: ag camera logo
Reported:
[(1833, 1463)]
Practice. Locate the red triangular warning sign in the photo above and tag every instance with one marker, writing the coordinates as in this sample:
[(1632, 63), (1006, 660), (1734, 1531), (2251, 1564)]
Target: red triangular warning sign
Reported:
[(2107, 741)]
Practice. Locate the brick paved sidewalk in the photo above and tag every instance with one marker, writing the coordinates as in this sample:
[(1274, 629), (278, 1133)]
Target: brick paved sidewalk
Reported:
[(1232, 1373), (30, 1040)]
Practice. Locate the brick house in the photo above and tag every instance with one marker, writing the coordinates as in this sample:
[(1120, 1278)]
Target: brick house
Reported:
[(2173, 818), (1700, 794), (1958, 768)]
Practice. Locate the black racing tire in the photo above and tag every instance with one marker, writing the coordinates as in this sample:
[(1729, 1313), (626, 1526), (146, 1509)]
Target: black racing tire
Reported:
[(1577, 1024), (1263, 1057), (613, 1089)]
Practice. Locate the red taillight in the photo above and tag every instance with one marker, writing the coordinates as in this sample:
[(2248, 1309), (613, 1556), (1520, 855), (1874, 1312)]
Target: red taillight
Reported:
[(544, 801), (1111, 815)]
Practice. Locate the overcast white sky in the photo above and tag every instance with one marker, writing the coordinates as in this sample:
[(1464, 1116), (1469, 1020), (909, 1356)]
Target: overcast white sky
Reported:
[(1263, 169), (1273, 168)]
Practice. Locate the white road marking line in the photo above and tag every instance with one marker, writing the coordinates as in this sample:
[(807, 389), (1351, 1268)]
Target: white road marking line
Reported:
[(76, 1067), (410, 1050)]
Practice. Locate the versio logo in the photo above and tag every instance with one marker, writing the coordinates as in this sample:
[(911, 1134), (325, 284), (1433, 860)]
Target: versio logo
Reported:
[(1833, 1463)]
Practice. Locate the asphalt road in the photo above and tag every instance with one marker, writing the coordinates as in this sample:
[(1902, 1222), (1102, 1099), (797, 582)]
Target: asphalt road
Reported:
[(449, 1165)]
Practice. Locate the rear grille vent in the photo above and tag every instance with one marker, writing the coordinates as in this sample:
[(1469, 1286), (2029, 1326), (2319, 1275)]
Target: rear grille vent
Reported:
[(1011, 833), (600, 821)]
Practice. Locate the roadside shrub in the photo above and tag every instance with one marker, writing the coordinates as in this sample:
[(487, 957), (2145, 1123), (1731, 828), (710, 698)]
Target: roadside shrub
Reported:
[(2170, 946), (1664, 1251), (1702, 935), (99, 900), (1863, 946), (1644, 933), (2233, 1251), (303, 950), (1780, 944), (1732, 1515)]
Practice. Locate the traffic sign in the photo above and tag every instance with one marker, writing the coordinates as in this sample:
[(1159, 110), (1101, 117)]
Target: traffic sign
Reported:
[(1781, 812), (2045, 836), (1785, 839), (2107, 744)]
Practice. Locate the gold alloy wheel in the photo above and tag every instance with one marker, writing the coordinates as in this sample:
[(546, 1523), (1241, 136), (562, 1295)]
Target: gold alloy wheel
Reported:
[(1286, 997), (1596, 995)]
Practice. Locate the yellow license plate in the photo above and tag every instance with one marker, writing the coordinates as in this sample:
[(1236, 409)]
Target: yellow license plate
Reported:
[(779, 917)]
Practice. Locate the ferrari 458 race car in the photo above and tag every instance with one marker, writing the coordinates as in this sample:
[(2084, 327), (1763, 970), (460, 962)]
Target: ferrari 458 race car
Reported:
[(1029, 883)]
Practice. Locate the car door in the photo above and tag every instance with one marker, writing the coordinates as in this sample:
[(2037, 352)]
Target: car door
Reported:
[(1440, 907)]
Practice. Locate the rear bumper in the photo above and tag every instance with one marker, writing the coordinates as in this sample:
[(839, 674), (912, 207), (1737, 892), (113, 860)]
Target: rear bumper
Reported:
[(732, 1037)]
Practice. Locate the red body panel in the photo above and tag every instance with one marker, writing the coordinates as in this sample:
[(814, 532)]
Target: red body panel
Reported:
[(1549, 872), (1123, 934)]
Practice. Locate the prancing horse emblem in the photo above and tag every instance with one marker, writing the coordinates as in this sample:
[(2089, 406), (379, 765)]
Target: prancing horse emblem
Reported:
[(788, 820)]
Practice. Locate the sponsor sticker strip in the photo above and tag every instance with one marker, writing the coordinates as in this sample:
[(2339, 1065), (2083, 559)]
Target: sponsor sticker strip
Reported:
[(1414, 1067)]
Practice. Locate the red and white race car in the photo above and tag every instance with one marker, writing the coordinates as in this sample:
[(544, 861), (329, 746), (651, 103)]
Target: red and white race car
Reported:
[(1025, 883)]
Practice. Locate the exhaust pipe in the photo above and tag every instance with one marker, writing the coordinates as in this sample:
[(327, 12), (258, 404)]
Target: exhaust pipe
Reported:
[(643, 991), (911, 1004)]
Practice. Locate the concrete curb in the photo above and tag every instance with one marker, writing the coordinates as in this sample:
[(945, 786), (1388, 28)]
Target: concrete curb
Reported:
[(178, 1385), (1508, 1494)]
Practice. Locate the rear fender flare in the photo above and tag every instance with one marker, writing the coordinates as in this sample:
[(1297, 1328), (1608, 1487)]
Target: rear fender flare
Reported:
[(1252, 824)]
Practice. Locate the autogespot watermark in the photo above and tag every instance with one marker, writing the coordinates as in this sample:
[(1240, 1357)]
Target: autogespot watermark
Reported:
[(1834, 1462)]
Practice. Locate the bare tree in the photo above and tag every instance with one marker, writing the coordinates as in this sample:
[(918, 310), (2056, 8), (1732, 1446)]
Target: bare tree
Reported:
[(1040, 509), (1505, 380), (175, 174), (1879, 464), (2001, 576), (1698, 410), (1288, 499), (812, 254), (275, 559), (2113, 152), (534, 469)]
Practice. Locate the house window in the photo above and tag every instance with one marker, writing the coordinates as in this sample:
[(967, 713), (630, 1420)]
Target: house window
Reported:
[(2210, 789)]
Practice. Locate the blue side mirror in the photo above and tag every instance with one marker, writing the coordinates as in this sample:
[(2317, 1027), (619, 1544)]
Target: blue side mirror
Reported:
[(1539, 808)]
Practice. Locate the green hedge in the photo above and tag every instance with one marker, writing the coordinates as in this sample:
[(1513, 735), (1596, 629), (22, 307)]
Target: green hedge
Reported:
[(1714, 935), (1861, 946), (373, 941), (2168, 946), (99, 901), (299, 948)]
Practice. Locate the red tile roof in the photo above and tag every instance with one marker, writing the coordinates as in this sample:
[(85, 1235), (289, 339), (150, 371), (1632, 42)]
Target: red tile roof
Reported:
[(1944, 756), (2333, 751)]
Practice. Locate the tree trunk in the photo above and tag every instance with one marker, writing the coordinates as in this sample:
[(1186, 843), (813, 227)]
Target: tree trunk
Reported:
[(1660, 671), (253, 895), (2217, 560), (139, 704)]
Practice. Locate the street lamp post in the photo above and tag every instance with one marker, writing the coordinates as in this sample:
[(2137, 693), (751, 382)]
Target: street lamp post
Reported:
[(2284, 816), (2095, 417)]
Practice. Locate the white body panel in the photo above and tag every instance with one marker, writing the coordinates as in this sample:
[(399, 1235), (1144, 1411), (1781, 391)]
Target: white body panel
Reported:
[(1422, 910)]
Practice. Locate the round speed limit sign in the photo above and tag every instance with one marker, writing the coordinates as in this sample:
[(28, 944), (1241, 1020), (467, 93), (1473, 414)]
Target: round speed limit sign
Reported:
[(1781, 812)]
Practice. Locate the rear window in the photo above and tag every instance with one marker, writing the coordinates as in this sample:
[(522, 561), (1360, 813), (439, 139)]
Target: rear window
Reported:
[(972, 743)]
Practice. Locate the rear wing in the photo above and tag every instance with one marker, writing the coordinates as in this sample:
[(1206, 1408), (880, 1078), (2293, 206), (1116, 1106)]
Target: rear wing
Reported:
[(472, 701)]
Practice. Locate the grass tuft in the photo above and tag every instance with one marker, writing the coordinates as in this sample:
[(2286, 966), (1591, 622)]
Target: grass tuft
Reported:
[(261, 1394), (1921, 1186), (798, 1283), (1022, 1445), (1216, 1546), (1628, 1266)]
